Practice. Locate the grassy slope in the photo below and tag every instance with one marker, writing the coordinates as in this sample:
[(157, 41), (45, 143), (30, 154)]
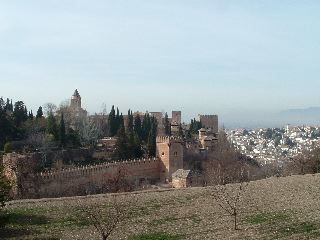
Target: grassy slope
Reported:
[(275, 208)]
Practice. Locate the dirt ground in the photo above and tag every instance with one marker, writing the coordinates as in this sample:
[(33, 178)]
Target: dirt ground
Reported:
[(274, 208)]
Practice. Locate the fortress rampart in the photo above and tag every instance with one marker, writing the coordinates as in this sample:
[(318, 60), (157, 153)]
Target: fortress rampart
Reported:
[(89, 179), (68, 180)]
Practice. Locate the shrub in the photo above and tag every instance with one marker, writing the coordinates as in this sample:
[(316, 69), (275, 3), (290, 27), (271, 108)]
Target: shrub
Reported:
[(7, 147)]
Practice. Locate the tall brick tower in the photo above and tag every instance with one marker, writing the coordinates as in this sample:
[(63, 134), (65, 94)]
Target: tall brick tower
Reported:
[(75, 100), (170, 153)]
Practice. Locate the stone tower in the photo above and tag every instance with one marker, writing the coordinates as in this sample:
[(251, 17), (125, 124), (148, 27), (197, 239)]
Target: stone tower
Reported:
[(170, 153), (75, 100), (210, 122)]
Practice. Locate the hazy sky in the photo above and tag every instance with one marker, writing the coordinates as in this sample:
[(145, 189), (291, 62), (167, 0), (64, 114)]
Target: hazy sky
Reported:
[(230, 58)]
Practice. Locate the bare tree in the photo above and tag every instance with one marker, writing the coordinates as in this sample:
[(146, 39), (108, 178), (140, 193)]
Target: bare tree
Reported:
[(226, 165), (119, 182), (104, 219), (305, 162), (89, 131), (229, 198), (49, 108)]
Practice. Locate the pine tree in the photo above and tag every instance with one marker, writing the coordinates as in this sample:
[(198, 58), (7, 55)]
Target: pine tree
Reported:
[(39, 113)]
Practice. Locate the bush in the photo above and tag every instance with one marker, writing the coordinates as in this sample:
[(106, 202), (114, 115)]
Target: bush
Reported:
[(7, 147), (4, 188)]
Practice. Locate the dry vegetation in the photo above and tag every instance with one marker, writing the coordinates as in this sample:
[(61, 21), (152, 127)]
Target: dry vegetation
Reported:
[(275, 208)]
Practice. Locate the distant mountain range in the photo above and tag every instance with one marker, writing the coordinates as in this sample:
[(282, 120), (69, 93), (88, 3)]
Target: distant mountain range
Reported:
[(307, 116), (302, 112), (302, 116)]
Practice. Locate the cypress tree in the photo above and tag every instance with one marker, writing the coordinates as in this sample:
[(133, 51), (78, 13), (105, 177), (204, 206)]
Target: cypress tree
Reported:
[(52, 127), (130, 122), (30, 115), (167, 127), (121, 151), (137, 126), (180, 133), (138, 152), (151, 143), (112, 122), (25, 116), (62, 132)]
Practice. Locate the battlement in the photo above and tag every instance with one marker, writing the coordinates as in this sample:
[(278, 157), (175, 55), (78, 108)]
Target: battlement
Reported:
[(90, 169), (208, 116), (168, 139)]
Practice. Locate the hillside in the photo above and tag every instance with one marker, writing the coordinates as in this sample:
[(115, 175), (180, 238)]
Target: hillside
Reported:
[(274, 208)]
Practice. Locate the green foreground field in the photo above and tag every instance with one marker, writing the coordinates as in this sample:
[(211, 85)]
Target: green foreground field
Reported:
[(275, 208)]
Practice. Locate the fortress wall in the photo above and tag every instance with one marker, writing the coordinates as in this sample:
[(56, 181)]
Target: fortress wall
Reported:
[(94, 179)]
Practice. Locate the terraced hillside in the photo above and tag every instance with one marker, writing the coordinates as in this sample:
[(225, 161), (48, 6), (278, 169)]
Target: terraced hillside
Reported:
[(275, 208)]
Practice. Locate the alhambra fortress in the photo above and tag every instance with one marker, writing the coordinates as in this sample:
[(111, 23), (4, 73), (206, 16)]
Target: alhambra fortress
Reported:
[(168, 168)]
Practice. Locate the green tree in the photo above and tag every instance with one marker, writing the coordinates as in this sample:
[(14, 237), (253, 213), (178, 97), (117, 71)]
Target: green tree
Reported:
[(167, 125), (112, 122), (152, 135), (39, 113), (130, 122), (195, 126), (7, 147), (137, 126), (8, 106), (181, 133), (30, 115), (52, 127), (62, 132), (6, 124), (19, 113), (4, 188), (121, 151)]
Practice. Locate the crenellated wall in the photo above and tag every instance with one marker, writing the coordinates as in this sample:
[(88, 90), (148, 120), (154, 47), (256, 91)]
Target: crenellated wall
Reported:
[(72, 181), (23, 170)]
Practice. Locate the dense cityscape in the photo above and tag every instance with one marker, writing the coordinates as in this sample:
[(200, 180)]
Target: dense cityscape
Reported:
[(277, 144)]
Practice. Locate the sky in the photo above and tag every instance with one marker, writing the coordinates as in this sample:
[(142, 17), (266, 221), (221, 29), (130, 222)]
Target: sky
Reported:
[(240, 59)]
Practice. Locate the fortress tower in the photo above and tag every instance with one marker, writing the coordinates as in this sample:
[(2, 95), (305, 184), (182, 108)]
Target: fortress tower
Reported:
[(170, 153), (75, 100), (210, 122), (176, 117)]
